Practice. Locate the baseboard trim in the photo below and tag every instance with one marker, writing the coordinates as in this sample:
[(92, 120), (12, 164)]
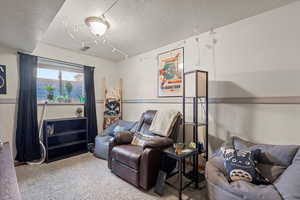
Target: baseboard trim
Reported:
[(17, 163)]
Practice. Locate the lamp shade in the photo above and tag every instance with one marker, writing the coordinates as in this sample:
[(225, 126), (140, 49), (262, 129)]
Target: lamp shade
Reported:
[(196, 83)]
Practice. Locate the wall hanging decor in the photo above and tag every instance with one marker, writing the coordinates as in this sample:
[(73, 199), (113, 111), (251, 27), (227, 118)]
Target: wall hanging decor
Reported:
[(112, 104), (170, 73), (2, 79)]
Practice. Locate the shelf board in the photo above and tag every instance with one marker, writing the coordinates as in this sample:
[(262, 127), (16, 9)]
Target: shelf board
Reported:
[(67, 155), (191, 175), (67, 144), (194, 124), (65, 119), (67, 133), (199, 97), (112, 116)]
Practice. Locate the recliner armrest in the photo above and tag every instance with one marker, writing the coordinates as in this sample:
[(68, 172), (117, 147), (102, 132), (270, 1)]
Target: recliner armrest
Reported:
[(124, 137), (158, 143), (120, 138)]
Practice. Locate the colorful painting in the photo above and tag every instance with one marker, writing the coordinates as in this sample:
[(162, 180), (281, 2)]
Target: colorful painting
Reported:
[(170, 73), (2, 79)]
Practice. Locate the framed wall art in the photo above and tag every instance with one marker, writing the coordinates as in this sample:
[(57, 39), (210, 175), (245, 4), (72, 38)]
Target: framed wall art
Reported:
[(2, 79), (170, 73)]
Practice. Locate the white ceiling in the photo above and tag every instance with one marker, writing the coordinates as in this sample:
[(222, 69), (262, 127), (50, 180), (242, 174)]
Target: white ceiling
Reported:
[(138, 26), (23, 22)]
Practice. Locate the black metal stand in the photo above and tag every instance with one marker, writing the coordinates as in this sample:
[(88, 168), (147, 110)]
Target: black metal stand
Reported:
[(195, 123), (163, 176)]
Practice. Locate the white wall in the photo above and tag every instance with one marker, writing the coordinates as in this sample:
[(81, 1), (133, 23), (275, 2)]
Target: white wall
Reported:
[(7, 111), (255, 57), (103, 69)]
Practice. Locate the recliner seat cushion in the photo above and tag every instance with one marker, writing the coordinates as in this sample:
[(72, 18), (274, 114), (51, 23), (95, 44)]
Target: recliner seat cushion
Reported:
[(128, 155)]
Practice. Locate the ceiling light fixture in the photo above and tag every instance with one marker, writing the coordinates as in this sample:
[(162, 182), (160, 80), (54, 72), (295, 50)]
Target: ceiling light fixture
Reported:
[(97, 25)]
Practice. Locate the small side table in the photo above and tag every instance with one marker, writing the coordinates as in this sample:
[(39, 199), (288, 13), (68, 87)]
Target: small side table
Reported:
[(162, 178)]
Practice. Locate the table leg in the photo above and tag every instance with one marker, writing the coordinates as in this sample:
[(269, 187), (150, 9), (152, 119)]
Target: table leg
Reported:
[(184, 168), (196, 172), (180, 179)]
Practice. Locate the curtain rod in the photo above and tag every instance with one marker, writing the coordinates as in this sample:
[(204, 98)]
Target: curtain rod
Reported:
[(58, 61)]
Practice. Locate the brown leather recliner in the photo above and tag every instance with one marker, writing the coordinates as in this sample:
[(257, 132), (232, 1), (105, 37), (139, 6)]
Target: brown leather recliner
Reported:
[(139, 165)]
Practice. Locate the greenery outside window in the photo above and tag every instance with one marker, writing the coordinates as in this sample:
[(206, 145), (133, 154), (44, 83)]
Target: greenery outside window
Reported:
[(59, 82)]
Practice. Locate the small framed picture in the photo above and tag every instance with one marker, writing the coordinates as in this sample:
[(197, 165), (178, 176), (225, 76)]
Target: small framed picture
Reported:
[(170, 73), (2, 79)]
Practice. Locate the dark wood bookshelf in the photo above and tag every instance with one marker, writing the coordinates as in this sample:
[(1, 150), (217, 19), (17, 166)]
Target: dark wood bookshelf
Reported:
[(65, 137)]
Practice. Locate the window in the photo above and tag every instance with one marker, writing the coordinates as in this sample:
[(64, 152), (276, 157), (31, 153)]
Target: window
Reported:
[(59, 83)]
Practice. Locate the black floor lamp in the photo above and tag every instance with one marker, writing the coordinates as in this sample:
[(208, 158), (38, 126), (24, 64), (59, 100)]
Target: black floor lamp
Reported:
[(195, 88)]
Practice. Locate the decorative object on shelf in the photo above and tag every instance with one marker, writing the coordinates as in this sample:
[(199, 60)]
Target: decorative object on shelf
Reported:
[(193, 145), (112, 105), (3, 79), (60, 99), (69, 88), (50, 129), (91, 147), (178, 147), (170, 73), (195, 87), (50, 89), (81, 99), (201, 148), (79, 112), (92, 32)]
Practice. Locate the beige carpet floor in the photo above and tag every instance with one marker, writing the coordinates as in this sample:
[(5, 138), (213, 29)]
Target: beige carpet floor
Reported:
[(85, 177)]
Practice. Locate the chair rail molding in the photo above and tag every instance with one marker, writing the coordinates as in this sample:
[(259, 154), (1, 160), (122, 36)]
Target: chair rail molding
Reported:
[(223, 100), (213, 100), (8, 100)]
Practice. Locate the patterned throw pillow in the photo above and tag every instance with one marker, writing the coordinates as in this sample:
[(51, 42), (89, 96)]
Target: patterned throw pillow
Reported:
[(241, 165), (140, 139)]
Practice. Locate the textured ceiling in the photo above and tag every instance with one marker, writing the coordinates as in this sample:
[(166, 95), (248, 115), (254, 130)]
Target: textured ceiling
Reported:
[(138, 26), (23, 22)]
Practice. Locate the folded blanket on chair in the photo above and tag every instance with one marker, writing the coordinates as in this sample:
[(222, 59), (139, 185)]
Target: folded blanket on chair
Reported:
[(163, 122)]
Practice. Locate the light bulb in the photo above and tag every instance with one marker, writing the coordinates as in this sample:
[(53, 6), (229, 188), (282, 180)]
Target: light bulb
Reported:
[(98, 26)]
